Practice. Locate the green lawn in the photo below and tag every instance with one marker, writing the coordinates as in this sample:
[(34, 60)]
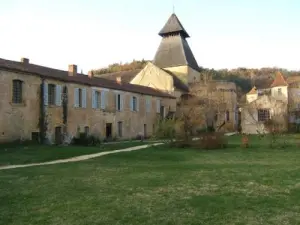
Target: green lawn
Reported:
[(38, 153), (158, 186)]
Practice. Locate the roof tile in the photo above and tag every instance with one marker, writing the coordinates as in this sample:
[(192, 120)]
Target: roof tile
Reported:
[(50, 73)]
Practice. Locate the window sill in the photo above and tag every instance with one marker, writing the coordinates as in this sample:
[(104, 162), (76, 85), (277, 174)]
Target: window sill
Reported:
[(53, 106), (23, 104)]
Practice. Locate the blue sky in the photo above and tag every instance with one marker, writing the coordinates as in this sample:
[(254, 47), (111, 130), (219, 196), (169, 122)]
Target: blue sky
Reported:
[(95, 33)]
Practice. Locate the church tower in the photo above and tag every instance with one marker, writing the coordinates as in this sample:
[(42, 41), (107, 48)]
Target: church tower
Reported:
[(174, 53)]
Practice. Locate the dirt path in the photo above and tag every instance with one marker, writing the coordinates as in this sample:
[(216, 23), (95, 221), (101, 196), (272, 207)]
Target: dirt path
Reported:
[(79, 158)]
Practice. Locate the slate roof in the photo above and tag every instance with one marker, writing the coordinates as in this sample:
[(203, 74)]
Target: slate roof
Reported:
[(126, 76), (175, 51), (177, 82), (50, 73), (172, 26)]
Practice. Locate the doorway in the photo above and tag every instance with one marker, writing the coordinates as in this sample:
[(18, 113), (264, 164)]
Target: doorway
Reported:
[(108, 130), (162, 112), (58, 135)]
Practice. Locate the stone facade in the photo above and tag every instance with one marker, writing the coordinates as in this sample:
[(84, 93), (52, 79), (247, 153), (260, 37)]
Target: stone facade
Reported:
[(278, 101), (256, 113), (21, 120)]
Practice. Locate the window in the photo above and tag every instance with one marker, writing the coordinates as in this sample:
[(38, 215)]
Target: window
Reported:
[(120, 128), (279, 91), (158, 105), (51, 94), (134, 104), (227, 116), (86, 130), (17, 95), (96, 99), (263, 115), (80, 97), (118, 102), (148, 104)]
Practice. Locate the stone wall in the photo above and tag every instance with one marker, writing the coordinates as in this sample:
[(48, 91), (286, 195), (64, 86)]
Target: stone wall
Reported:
[(20, 120)]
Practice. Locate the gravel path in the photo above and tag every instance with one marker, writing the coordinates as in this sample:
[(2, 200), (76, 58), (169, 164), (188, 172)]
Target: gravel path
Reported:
[(79, 158)]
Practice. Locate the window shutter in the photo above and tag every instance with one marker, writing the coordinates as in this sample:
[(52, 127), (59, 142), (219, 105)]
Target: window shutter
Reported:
[(148, 104), (131, 103), (158, 105), (94, 99), (103, 98), (83, 103), (122, 101), (76, 97), (137, 103), (58, 95), (45, 94)]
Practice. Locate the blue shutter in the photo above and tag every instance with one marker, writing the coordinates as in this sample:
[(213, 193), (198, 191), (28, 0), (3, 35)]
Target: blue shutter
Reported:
[(131, 103), (76, 97), (58, 95), (94, 99), (83, 103), (122, 100), (137, 103), (45, 94), (103, 97)]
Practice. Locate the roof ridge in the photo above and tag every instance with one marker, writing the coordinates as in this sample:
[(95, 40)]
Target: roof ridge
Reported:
[(51, 73)]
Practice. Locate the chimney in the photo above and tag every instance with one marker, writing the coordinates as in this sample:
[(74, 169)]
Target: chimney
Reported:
[(25, 60), (91, 74), (72, 70), (119, 80)]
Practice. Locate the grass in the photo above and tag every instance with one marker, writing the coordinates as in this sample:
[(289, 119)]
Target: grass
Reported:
[(258, 185), (16, 154)]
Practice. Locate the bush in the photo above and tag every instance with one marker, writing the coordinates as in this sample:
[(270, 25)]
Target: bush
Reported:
[(86, 140), (165, 130), (210, 141)]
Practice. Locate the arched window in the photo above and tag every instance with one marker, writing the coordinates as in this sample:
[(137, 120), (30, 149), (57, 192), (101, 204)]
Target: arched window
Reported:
[(17, 91)]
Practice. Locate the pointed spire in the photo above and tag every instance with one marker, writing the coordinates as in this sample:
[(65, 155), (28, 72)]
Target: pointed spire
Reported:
[(173, 26), (279, 80)]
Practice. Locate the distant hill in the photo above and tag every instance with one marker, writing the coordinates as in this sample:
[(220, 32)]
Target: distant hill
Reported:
[(118, 67), (246, 78), (243, 77)]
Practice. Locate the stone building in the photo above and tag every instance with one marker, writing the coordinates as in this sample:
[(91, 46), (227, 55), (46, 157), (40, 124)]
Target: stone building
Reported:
[(276, 99), (38, 100), (175, 70)]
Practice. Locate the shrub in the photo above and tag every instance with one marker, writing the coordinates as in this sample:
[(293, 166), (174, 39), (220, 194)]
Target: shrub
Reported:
[(210, 140), (86, 140), (165, 130)]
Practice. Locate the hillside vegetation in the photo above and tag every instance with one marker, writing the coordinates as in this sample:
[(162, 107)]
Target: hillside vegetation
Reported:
[(243, 77)]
